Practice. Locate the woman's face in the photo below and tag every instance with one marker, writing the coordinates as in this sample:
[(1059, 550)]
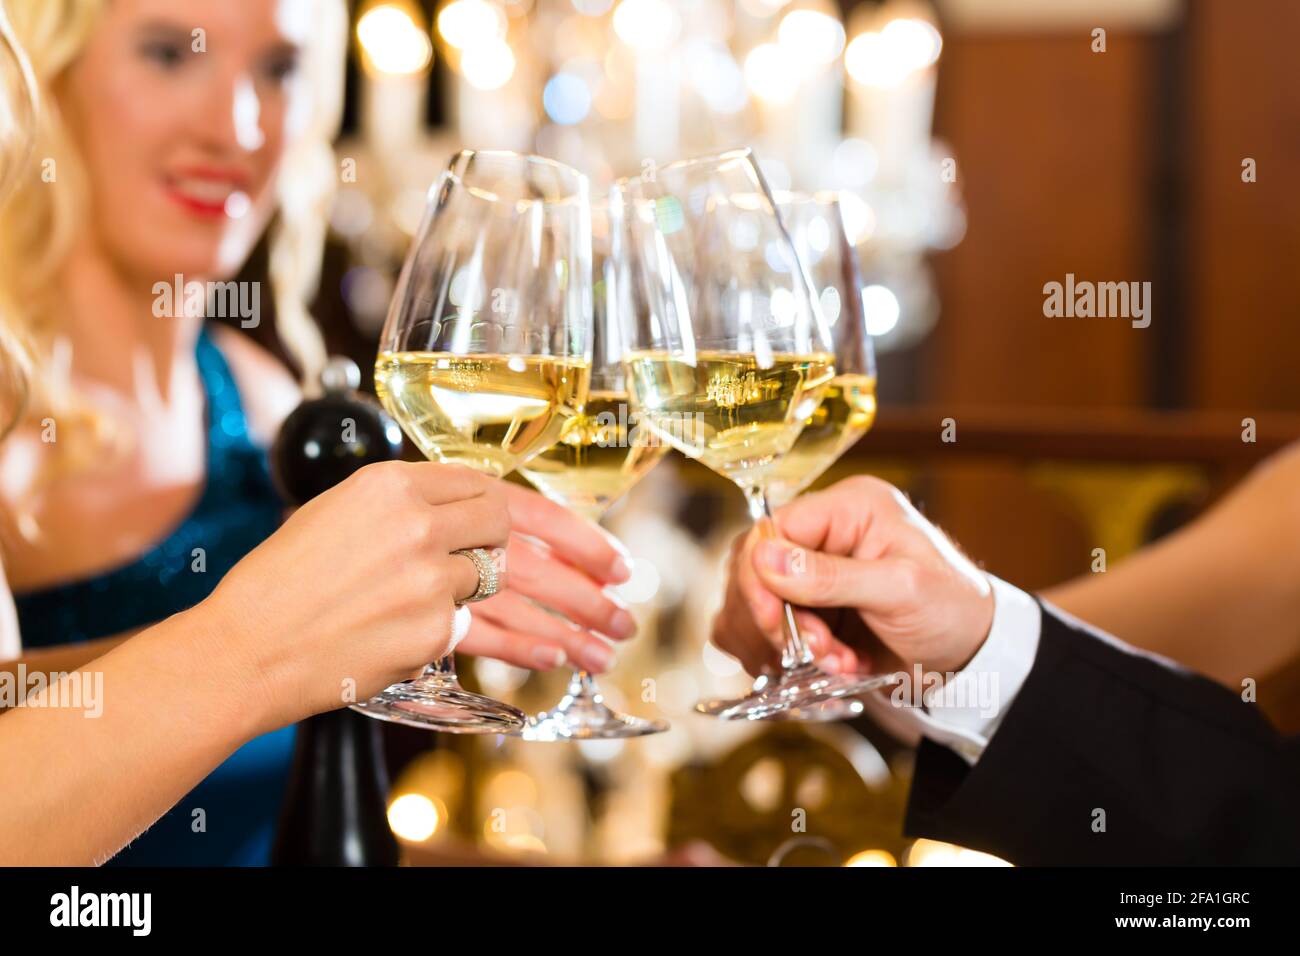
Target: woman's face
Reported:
[(182, 110)]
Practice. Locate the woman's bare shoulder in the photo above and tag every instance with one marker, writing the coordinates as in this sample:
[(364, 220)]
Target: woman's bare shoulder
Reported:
[(266, 388)]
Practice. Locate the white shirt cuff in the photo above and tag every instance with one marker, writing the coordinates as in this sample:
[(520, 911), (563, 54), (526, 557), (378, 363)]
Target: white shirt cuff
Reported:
[(964, 712)]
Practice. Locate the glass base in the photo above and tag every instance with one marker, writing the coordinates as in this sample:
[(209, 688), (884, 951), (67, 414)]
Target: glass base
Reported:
[(583, 715), (822, 712), (805, 692), (438, 702)]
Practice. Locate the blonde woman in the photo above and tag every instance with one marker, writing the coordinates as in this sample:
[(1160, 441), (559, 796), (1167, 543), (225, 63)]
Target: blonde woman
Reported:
[(260, 652), (169, 134)]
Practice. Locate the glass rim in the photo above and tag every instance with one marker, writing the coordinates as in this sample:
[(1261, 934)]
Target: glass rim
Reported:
[(575, 184), (715, 159), (798, 197)]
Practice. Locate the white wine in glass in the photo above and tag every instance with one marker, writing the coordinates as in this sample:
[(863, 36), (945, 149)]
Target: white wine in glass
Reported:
[(734, 413), (598, 458), (846, 413), (732, 357), (488, 412), (486, 354), (848, 407), (602, 452)]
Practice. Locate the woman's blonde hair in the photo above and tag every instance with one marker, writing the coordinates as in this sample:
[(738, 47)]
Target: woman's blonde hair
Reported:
[(37, 225), (17, 115)]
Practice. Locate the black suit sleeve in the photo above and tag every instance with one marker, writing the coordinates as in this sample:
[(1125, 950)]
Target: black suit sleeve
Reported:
[(1178, 769)]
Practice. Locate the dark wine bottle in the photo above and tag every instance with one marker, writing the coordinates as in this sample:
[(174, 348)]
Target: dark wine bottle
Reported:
[(335, 804)]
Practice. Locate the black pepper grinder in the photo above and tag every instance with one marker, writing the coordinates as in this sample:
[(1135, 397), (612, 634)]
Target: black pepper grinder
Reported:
[(334, 811)]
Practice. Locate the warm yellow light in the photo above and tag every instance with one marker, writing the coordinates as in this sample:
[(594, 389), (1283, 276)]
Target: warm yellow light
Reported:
[(919, 40), (488, 66), (872, 858), (645, 24), (869, 62), (858, 217), (515, 829), (886, 59), (763, 8), (770, 75), (932, 853), (810, 36), (524, 843), (466, 24), (976, 858), (392, 40), (413, 817)]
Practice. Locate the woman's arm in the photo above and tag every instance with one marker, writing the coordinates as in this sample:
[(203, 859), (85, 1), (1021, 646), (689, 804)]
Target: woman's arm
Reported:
[(1221, 595), (142, 726), (93, 760), (59, 659)]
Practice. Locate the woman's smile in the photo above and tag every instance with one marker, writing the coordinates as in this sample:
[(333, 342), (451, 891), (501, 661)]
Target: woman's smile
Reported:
[(209, 192)]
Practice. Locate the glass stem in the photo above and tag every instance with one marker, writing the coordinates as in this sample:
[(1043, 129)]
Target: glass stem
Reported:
[(582, 684), (796, 652), (444, 669)]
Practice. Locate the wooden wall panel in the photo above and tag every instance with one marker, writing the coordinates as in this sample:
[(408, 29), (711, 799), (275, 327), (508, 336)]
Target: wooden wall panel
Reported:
[(1244, 97), (1053, 151)]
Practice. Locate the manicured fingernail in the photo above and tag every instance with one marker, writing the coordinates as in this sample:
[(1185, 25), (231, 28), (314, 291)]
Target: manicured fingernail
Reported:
[(461, 621), (621, 569), (548, 658), (600, 657), (774, 557), (622, 624)]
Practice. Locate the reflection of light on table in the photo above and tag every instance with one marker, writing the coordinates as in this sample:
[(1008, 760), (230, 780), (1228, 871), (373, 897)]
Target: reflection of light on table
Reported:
[(871, 858), (938, 853)]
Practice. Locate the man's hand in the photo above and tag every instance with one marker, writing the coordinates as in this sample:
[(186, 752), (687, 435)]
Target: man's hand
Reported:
[(888, 588), (554, 609)]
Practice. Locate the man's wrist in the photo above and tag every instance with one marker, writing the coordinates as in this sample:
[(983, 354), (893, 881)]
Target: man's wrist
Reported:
[(979, 694), (978, 633), (963, 712)]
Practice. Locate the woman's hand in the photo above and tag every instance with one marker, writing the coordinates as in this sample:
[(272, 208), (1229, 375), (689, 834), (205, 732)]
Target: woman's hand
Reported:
[(357, 590), (888, 587), (555, 610)]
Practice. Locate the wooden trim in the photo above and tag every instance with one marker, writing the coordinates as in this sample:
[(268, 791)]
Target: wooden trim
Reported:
[(1074, 434)]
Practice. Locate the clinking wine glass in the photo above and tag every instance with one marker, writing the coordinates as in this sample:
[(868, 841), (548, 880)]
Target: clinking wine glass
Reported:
[(485, 355), (601, 454), (731, 357), (848, 406)]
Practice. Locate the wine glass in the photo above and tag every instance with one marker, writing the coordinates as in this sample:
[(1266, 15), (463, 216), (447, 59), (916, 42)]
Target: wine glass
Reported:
[(601, 454), (486, 354), (732, 356), (848, 407)]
